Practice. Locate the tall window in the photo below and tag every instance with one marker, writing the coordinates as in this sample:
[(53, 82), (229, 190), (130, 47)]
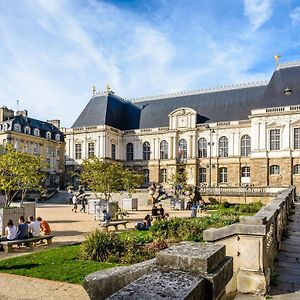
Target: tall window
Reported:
[(182, 151), (223, 175), (129, 152), (77, 151), (164, 150), (202, 148), (163, 175), (146, 151), (113, 151), (245, 171), (91, 149), (202, 175), (274, 170), (275, 139), (296, 169), (296, 138), (223, 146), (146, 175), (245, 145)]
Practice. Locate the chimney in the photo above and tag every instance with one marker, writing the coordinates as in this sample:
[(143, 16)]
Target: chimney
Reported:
[(6, 113), (23, 113), (55, 122)]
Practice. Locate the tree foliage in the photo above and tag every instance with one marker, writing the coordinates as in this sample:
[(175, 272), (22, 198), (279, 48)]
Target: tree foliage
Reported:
[(178, 181), (108, 178), (19, 172)]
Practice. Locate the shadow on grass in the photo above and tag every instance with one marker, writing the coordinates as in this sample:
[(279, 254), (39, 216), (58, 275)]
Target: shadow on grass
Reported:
[(18, 267)]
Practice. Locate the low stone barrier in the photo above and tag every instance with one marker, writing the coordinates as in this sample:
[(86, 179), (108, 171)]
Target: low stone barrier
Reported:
[(253, 243), (187, 270)]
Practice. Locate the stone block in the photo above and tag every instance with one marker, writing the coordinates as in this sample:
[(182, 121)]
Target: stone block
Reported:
[(101, 284), (192, 257), (160, 284)]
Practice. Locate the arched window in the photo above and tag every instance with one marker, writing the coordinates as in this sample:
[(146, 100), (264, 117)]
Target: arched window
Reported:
[(48, 135), (202, 148), (17, 127), (245, 171), (223, 175), (202, 175), (245, 145), (182, 151), (129, 152), (296, 169), (57, 137), (163, 175), (274, 170), (223, 146), (164, 150), (146, 151), (27, 130), (36, 132), (146, 175)]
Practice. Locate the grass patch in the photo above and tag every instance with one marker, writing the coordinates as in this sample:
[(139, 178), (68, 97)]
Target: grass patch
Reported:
[(60, 264)]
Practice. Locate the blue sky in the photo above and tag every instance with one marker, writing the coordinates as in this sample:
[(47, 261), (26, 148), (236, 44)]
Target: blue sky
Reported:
[(53, 52)]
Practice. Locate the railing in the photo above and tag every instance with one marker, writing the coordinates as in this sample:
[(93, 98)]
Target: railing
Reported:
[(253, 243), (235, 191)]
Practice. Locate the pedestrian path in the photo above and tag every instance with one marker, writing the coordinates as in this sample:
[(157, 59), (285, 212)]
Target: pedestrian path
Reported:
[(286, 275)]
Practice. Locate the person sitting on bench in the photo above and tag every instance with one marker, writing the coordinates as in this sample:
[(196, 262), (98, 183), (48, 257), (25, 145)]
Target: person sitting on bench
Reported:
[(106, 217), (22, 232), (44, 226), (34, 227), (10, 232)]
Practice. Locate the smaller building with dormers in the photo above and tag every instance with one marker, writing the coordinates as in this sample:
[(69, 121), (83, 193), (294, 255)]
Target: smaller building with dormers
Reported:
[(36, 137), (246, 134)]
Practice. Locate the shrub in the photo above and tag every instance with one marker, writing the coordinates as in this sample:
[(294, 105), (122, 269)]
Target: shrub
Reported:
[(177, 229), (98, 245), (248, 208), (115, 248), (226, 204)]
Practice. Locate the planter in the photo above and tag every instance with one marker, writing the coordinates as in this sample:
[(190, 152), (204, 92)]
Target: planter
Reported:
[(13, 213), (130, 203), (96, 207), (177, 203)]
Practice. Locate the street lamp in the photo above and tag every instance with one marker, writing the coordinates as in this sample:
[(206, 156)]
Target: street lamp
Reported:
[(210, 143)]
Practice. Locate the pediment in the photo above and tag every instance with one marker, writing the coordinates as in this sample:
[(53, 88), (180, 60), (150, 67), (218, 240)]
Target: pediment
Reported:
[(182, 111), (276, 125)]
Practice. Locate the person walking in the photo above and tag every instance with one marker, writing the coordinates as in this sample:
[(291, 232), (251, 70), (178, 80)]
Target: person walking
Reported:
[(83, 203), (75, 201)]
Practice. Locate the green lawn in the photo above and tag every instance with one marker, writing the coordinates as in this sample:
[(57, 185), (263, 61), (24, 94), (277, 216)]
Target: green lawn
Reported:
[(61, 264)]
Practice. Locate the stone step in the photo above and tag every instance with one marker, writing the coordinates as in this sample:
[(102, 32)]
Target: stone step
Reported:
[(287, 268), (290, 248)]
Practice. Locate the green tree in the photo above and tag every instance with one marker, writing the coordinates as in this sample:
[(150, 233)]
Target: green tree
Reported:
[(108, 178), (19, 172), (179, 178)]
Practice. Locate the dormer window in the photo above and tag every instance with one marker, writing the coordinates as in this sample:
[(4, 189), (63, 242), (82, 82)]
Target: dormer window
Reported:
[(48, 135), (57, 137), (17, 127), (27, 130), (36, 132)]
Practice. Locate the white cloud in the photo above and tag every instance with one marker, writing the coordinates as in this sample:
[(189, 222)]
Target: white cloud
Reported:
[(258, 12), (295, 15)]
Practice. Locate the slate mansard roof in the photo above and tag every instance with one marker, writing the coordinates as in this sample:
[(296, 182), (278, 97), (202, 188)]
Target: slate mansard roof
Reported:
[(225, 104), (43, 126)]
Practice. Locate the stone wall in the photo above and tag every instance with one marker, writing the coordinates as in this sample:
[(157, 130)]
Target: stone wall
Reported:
[(253, 243)]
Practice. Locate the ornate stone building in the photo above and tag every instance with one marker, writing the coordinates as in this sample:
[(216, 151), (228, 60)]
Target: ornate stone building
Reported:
[(246, 134), (36, 137)]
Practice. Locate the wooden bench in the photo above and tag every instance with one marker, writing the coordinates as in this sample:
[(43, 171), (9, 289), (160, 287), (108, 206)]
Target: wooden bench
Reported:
[(113, 223), (7, 245)]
